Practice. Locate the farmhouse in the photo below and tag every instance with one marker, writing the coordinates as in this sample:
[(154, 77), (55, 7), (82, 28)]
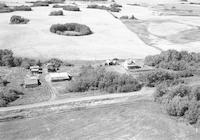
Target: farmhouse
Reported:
[(35, 69), (130, 64), (31, 82), (111, 62), (60, 76)]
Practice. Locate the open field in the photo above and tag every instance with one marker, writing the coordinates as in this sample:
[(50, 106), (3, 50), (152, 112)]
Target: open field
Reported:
[(110, 37), (138, 118)]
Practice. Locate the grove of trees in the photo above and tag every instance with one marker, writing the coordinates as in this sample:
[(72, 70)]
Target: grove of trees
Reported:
[(174, 60), (99, 79)]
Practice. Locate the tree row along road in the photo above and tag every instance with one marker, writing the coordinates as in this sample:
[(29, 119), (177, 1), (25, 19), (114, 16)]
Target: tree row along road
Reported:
[(144, 91)]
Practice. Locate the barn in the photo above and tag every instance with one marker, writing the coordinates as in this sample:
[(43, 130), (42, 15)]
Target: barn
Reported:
[(31, 82), (60, 76)]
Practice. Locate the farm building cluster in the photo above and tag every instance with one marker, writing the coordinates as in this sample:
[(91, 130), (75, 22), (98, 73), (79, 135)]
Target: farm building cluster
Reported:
[(35, 74), (128, 64)]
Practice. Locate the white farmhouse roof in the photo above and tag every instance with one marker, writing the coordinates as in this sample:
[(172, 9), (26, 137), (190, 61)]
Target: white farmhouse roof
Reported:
[(34, 67)]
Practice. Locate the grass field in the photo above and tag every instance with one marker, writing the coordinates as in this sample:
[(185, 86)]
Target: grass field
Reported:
[(139, 118)]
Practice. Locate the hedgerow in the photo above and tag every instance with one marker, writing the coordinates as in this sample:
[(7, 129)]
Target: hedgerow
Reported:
[(71, 8), (5, 9), (22, 8)]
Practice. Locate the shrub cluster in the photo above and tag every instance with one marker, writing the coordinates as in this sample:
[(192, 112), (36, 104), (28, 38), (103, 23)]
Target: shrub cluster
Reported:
[(71, 8), (103, 7), (22, 8), (8, 95), (174, 60), (58, 6), (18, 20), (70, 29), (180, 100), (4, 8), (159, 76), (56, 13), (115, 5), (7, 59), (99, 79), (57, 1), (41, 3)]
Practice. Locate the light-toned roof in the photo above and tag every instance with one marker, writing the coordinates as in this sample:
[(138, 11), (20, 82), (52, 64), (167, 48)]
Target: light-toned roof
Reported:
[(31, 81), (34, 67), (34, 70), (64, 75)]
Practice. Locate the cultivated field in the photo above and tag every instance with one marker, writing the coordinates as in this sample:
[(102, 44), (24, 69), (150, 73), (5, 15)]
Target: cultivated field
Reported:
[(89, 111), (110, 37)]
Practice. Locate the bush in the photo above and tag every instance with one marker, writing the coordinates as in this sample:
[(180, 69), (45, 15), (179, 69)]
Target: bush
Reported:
[(157, 77), (177, 106), (70, 29), (115, 5), (115, 9), (193, 112), (22, 8), (71, 8), (18, 20), (56, 13), (196, 94), (57, 1), (58, 6), (124, 17), (180, 100), (99, 79), (4, 8), (8, 95), (40, 3), (180, 90), (161, 90)]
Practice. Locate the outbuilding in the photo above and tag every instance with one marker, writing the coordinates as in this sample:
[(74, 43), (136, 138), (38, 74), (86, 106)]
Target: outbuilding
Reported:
[(31, 82), (35, 69), (130, 64), (60, 76)]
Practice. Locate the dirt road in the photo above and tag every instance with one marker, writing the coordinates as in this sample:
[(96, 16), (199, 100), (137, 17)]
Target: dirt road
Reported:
[(145, 90)]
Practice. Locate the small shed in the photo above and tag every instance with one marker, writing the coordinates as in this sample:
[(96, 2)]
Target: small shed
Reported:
[(131, 64), (31, 82), (60, 76), (51, 67), (110, 62)]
